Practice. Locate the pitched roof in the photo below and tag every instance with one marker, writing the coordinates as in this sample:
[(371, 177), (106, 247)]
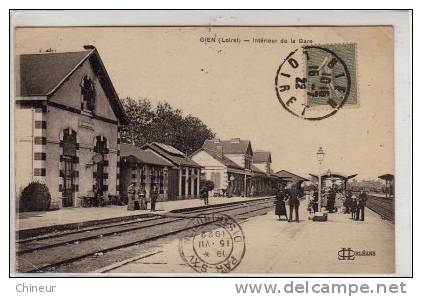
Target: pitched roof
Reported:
[(289, 175), (232, 146), (255, 169), (42, 74), (226, 161), (146, 157), (172, 154), (261, 156), (170, 149)]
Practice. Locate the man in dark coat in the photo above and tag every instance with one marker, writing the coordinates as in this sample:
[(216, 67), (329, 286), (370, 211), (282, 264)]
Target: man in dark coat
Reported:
[(348, 202), (331, 199), (203, 193), (362, 198), (294, 202)]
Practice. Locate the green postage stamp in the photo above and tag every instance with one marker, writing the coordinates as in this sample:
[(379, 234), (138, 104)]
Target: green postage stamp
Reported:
[(331, 75)]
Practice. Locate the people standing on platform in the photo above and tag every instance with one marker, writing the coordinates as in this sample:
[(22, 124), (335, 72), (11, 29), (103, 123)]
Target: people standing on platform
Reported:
[(353, 206), (313, 204), (154, 197), (132, 204), (203, 192), (331, 200), (280, 204), (362, 198), (348, 202), (294, 194), (142, 197), (315, 201)]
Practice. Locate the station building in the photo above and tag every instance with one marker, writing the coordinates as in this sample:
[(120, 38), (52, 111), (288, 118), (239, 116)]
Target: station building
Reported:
[(183, 177), (146, 169), (236, 169), (228, 164), (66, 126)]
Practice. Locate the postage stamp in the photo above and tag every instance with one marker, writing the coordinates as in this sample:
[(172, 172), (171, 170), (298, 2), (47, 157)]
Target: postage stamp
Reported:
[(315, 82), (214, 244)]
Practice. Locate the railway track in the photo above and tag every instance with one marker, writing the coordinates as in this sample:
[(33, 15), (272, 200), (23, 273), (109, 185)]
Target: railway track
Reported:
[(382, 206), (45, 253)]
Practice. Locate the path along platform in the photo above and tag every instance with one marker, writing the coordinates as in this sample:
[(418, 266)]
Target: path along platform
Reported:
[(277, 247), (84, 216)]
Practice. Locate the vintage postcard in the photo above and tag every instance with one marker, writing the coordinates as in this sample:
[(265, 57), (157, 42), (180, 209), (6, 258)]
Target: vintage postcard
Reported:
[(200, 150)]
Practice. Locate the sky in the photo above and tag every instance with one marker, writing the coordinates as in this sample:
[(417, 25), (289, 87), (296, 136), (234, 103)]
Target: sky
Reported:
[(230, 87)]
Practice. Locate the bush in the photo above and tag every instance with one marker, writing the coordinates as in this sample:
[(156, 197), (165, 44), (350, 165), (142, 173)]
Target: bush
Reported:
[(35, 197)]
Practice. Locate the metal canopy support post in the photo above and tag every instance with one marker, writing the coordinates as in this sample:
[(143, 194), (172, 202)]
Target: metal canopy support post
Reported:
[(319, 191)]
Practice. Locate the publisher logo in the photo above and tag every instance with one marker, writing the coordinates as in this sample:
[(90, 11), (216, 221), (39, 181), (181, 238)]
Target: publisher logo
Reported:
[(347, 254)]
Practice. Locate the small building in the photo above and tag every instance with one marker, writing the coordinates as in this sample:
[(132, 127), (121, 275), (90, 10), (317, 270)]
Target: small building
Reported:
[(144, 168), (66, 126), (264, 182), (228, 164), (184, 177)]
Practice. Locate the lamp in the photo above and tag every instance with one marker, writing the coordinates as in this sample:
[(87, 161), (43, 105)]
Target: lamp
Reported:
[(320, 155)]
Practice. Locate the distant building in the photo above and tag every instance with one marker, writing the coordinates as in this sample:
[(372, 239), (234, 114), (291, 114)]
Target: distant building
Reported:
[(230, 165), (265, 182), (262, 160), (66, 125), (183, 177), (144, 168)]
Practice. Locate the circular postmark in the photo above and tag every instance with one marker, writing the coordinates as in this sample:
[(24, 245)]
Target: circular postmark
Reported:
[(213, 244), (313, 83)]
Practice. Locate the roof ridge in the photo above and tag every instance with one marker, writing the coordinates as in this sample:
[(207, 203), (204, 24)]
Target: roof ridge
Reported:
[(54, 53)]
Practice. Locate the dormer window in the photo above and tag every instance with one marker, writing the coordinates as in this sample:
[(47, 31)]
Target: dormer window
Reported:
[(88, 94)]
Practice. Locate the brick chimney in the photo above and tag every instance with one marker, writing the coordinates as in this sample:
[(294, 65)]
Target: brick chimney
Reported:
[(89, 47)]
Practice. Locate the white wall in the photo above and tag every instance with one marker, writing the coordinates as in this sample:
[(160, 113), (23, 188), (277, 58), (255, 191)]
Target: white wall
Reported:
[(23, 148), (57, 121), (239, 159), (212, 165)]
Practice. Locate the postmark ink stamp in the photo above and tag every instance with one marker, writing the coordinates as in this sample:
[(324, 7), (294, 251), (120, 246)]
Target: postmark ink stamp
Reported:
[(315, 82), (214, 244)]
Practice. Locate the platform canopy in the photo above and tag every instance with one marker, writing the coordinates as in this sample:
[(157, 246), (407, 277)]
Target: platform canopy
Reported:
[(387, 176), (334, 175), (286, 175), (389, 184)]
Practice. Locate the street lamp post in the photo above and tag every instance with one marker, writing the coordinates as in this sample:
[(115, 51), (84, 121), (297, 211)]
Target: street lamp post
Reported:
[(320, 158)]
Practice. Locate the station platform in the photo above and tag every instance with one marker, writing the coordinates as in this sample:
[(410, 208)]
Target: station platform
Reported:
[(84, 216), (278, 247), (310, 247)]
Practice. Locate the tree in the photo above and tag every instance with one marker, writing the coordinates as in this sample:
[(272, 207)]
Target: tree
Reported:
[(163, 124), (140, 116)]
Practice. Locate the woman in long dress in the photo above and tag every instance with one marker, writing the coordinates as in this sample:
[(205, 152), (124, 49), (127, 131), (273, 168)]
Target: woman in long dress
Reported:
[(280, 204)]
